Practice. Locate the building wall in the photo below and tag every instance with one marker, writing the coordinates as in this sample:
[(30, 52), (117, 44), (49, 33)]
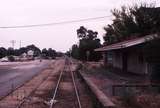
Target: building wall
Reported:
[(136, 63), (105, 60), (117, 60)]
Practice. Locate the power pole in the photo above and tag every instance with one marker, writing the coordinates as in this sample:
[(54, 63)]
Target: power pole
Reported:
[(20, 43), (13, 43)]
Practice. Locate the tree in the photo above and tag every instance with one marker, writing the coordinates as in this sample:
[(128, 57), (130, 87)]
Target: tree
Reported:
[(75, 51), (44, 53), (36, 50), (81, 32), (3, 52), (51, 53), (88, 41), (10, 51), (131, 22), (22, 50)]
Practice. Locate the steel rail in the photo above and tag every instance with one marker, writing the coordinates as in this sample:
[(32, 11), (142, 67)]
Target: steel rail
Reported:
[(75, 87), (74, 84), (56, 89)]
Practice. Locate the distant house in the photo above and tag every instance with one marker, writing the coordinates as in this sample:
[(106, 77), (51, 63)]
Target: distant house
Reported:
[(24, 55), (27, 56), (134, 55), (30, 54)]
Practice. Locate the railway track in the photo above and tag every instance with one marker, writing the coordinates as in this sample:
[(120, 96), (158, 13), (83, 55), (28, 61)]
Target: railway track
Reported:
[(64, 90), (73, 97)]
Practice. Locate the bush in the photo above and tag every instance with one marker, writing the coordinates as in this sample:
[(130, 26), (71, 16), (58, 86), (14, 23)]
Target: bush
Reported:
[(11, 58)]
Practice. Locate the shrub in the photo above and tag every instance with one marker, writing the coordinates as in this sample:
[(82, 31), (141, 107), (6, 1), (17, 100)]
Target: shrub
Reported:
[(11, 58)]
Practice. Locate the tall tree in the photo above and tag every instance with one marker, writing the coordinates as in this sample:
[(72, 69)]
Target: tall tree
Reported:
[(3, 52), (74, 51), (130, 22), (36, 50), (51, 53), (22, 50), (44, 53), (10, 51), (88, 41)]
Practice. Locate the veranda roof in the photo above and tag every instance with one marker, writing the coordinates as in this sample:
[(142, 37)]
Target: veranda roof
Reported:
[(128, 43)]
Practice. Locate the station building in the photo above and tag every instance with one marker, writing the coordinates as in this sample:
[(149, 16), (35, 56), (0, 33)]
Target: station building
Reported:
[(139, 55)]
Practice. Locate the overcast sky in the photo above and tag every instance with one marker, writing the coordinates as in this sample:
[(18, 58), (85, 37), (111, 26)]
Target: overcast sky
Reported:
[(58, 37)]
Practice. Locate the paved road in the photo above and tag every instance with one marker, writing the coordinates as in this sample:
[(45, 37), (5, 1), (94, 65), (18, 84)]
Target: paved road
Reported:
[(13, 75)]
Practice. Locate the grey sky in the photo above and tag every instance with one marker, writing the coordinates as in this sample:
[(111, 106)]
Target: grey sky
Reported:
[(59, 37)]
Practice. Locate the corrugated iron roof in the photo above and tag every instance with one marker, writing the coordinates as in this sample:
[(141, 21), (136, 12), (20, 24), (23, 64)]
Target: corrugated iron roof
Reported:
[(128, 43)]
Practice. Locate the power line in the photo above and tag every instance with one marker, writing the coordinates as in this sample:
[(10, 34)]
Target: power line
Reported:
[(54, 23)]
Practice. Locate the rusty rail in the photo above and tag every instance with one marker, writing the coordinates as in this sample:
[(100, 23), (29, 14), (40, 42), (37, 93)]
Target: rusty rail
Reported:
[(53, 100), (56, 89), (75, 87)]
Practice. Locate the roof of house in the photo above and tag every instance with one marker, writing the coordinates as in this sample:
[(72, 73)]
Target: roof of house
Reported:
[(128, 43)]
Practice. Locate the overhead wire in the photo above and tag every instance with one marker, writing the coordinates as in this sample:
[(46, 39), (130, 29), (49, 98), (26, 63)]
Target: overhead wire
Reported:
[(54, 23)]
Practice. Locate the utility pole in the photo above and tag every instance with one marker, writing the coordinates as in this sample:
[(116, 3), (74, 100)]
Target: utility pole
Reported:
[(13, 43), (20, 43)]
